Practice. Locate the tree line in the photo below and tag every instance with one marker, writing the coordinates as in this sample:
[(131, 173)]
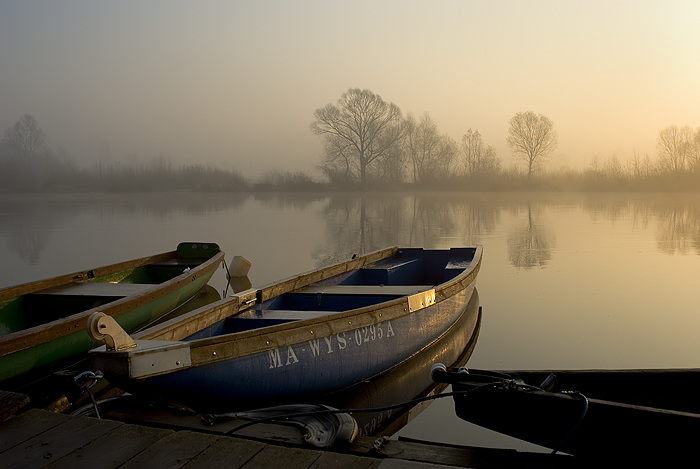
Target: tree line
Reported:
[(367, 140), (368, 143)]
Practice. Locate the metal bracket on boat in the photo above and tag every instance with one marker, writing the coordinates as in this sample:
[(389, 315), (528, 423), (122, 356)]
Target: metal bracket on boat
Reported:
[(103, 327), (421, 300)]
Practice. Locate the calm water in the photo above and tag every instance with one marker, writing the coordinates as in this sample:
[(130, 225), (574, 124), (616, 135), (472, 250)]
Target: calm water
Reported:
[(568, 281)]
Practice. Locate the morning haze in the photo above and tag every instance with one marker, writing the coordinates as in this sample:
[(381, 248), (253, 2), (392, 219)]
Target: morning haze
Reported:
[(236, 85)]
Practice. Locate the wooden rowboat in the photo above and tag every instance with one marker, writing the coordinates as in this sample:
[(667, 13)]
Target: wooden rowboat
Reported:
[(43, 323), (604, 415), (318, 332)]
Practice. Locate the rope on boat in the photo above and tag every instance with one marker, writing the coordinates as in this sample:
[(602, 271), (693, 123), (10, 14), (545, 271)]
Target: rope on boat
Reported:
[(584, 411), (86, 380), (211, 419), (228, 277)]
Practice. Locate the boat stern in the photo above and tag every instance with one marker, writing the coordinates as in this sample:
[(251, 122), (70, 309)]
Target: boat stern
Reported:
[(148, 358)]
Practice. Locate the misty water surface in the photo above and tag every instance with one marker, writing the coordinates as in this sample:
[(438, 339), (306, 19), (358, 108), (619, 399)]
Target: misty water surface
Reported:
[(568, 281)]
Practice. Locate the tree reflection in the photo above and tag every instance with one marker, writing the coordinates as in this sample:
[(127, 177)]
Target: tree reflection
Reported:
[(359, 224), (679, 231), (530, 246), (29, 222), (23, 222)]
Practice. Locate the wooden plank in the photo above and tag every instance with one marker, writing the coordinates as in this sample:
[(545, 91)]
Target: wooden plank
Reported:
[(31, 287), (113, 448), (180, 327), (290, 314), (308, 278), (173, 451), (464, 456), (99, 289), (287, 458), (346, 461), (229, 453), (56, 442), (10, 403), (177, 262), (26, 426), (390, 290), (403, 464)]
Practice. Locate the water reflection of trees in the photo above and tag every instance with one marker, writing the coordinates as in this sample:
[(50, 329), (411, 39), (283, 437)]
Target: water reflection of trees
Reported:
[(531, 245), (28, 221), (679, 230), (23, 222), (360, 224), (290, 201), (679, 218)]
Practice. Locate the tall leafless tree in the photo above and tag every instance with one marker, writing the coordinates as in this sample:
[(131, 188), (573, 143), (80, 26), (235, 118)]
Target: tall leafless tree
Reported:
[(532, 138), (24, 139), (676, 147), (361, 128), (478, 159), (430, 154)]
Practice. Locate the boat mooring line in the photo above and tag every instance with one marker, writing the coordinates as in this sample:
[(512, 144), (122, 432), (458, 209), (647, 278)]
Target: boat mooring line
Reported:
[(211, 419), (578, 422)]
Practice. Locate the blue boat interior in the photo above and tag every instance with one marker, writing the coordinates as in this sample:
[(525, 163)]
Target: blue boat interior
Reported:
[(410, 271)]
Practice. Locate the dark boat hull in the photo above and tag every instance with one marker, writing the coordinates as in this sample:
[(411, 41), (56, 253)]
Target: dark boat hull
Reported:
[(573, 422)]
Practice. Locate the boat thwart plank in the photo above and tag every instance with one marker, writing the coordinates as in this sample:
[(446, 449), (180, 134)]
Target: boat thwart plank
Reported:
[(99, 289), (387, 290)]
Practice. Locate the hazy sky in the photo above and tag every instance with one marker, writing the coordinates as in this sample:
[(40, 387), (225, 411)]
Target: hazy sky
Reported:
[(235, 83)]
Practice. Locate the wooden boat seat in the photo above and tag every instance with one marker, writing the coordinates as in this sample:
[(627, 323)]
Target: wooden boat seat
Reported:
[(176, 262), (392, 271), (455, 267), (383, 290), (98, 289), (294, 315)]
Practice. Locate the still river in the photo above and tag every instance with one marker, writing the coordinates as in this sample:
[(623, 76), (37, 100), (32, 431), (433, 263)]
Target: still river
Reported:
[(567, 281)]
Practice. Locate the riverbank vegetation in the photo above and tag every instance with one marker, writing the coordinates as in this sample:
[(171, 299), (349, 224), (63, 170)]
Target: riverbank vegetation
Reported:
[(407, 154)]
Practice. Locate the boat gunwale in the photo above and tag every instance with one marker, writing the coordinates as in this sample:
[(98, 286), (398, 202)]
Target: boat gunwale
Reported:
[(566, 397), (16, 291), (42, 333), (233, 345), (202, 317)]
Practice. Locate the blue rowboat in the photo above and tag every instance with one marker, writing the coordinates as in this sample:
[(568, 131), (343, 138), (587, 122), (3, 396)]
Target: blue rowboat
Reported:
[(318, 332)]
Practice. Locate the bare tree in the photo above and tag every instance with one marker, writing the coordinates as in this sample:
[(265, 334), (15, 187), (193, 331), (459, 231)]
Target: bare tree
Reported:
[(532, 138), (361, 127), (675, 146), (642, 167), (391, 167), (429, 153), (338, 163), (24, 139), (478, 159)]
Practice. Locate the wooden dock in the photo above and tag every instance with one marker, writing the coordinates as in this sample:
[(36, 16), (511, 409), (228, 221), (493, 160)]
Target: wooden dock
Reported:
[(37, 438)]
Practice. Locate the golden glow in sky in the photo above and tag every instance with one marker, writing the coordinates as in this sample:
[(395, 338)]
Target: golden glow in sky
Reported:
[(235, 83)]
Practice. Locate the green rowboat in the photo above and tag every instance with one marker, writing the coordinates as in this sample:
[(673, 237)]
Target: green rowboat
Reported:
[(43, 323)]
